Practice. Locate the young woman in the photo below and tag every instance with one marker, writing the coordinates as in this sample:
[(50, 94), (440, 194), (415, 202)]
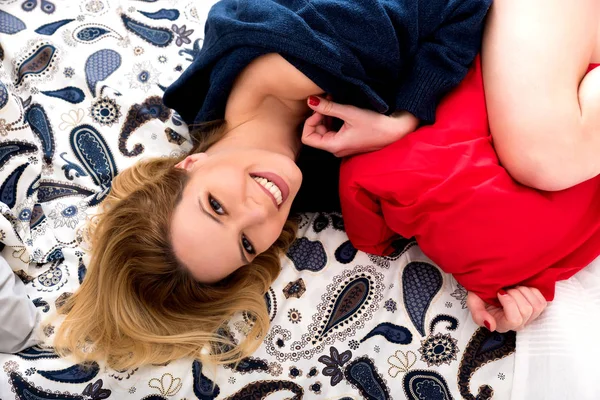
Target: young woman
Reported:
[(207, 251), (161, 285)]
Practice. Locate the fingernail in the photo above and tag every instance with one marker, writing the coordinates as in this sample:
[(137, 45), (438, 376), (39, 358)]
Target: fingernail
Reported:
[(502, 292), (313, 101), (487, 325)]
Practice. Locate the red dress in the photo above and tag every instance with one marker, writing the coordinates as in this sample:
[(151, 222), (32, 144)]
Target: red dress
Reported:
[(443, 185)]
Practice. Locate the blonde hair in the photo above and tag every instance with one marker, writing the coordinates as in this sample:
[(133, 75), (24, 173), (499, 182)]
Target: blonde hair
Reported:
[(137, 305)]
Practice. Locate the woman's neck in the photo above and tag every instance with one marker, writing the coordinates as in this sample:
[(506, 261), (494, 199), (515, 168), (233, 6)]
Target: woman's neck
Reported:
[(267, 105), (269, 126)]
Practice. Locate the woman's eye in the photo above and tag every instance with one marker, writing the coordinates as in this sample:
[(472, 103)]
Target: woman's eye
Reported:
[(215, 205), (247, 245)]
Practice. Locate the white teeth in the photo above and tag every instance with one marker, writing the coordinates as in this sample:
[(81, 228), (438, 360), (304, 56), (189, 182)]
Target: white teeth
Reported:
[(271, 187)]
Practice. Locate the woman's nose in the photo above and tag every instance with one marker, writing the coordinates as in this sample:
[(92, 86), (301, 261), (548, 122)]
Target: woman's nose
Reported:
[(256, 212)]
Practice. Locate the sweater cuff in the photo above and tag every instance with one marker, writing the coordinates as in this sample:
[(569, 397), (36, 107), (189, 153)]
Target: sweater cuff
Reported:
[(421, 92)]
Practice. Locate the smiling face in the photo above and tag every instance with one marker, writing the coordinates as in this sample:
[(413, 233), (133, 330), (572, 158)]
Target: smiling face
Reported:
[(233, 208)]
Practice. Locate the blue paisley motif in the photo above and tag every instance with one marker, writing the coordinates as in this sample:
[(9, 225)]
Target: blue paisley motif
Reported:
[(250, 364), (91, 33), (78, 373), (307, 255), (55, 255), (452, 322), (37, 353), (160, 37), (50, 190), (350, 299), (12, 148), (263, 389), (483, 348), (138, 115), (71, 94), (93, 153), (34, 186), (100, 66), (420, 284), (9, 24), (362, 374), (52, 27), (38, 302), (3, 95), (77, 170), (163, 13), (25, 390), (193, 52), (337, 222), (40, 124), (204, 388), (425, 385), (8, 190), (94, 391), (37, 63), (320, 223), (345, 253), (393, 333)]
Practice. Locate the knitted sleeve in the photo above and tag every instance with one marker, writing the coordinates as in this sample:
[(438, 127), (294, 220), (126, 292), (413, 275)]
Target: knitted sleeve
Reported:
[(443, 57)]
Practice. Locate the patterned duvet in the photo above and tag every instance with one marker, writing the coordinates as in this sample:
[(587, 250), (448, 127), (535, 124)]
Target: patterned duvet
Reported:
[(80, 100)]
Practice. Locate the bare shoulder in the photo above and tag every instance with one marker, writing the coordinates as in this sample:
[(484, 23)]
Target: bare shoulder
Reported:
[(275, 76), (270, 77)]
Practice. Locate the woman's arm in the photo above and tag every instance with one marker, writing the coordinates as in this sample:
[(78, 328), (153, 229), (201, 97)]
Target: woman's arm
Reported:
[(544, 110)]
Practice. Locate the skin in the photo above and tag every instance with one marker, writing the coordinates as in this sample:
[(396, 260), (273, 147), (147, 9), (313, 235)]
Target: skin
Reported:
[(213, 236), (269, 102), (224, 218), (539, 97)]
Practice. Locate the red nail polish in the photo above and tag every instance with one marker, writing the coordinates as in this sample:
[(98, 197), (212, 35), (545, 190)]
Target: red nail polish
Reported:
[(313, 101), (487, 325), (502, 292)]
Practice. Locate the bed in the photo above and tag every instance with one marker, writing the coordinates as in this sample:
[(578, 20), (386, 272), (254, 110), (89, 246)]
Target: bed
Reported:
[(80, 100)]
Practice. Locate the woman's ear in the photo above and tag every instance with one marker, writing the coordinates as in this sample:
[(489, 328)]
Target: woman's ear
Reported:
[(191, 161)]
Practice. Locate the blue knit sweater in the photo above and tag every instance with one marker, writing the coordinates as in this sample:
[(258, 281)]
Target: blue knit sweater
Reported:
[(386, 55)]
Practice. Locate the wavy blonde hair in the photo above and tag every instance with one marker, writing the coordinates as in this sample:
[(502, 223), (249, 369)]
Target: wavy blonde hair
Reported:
[(137, 304)]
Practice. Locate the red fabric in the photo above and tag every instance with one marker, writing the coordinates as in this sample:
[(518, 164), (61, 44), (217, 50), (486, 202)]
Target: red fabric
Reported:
[(444, 186)]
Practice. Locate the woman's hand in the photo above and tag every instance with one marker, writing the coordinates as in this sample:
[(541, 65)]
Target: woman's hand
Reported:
[(520, 306), (363, 130)]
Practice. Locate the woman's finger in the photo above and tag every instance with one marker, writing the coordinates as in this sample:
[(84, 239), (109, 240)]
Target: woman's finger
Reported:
[(329, 108), (525, 308), (479, 312), (327, 141), (537, 303), (512, 316), (312, 122), (322, 129)]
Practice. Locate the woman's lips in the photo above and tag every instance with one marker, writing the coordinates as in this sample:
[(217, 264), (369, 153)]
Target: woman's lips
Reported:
[(277, 181)]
